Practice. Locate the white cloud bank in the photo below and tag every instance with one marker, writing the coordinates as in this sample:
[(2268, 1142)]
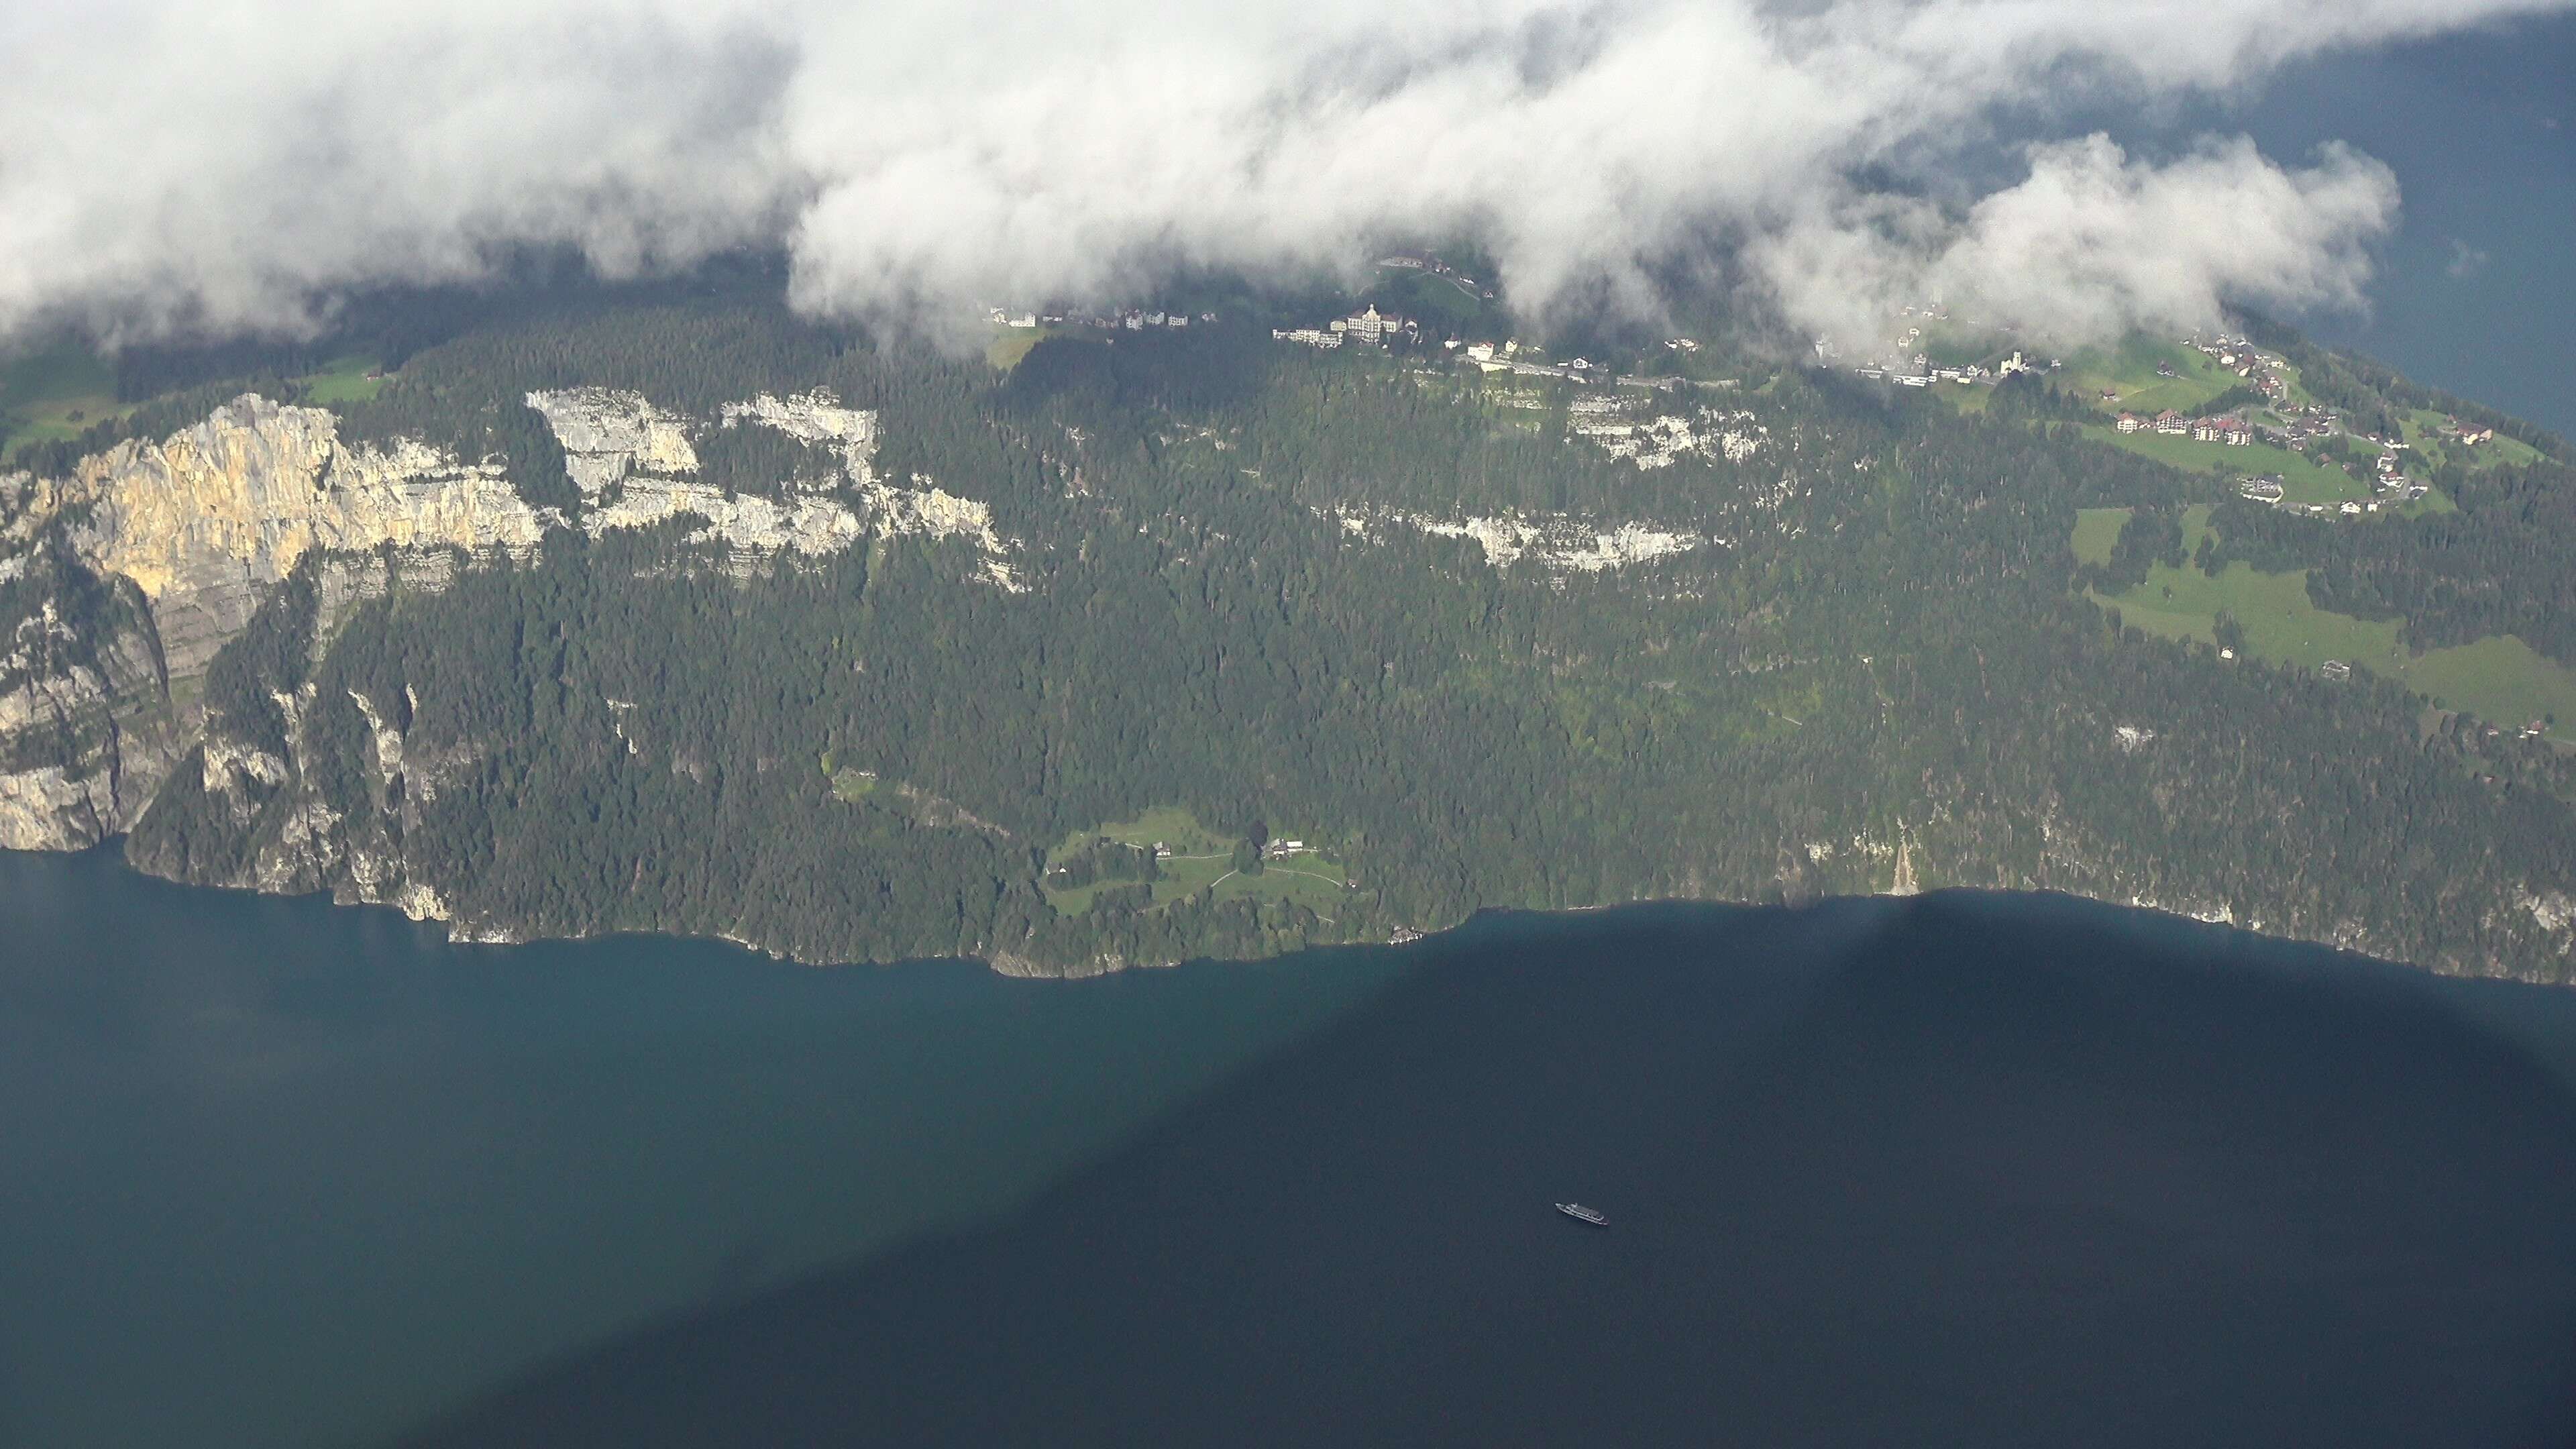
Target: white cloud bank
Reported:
[(227, 164)]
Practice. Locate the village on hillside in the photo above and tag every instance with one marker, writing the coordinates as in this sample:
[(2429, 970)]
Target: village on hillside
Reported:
[(2249, 398), (2220, 403)]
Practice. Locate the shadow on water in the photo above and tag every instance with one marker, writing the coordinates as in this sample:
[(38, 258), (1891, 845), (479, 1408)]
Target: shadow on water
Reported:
[(1964, 1170)]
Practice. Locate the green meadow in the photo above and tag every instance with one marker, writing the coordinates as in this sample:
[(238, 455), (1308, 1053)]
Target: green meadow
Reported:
[(56, 394), (1202, 859), (2499, 679)]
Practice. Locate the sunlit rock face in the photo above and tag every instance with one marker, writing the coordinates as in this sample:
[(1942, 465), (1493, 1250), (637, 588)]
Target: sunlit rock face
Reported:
[(1555, 542), (201, 520), (86, 730), (188, 534), (609, 435), (185, 533), (815, 417), (635, 467)]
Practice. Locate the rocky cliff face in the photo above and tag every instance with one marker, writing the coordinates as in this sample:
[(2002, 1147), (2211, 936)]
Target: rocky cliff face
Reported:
[(129, 576), (244, 808), (120, 584), (635, 467), (87, 728), (203, 519)]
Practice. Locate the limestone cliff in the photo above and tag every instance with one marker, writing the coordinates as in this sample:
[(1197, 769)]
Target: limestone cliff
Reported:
[(634, 464), (121, 583), (194, 529), (1559, 543), (203, 519), (87, 728)]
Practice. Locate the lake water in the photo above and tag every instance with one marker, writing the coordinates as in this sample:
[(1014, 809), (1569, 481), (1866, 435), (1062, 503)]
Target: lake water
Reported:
[(2476, 291), (1962, 1170)]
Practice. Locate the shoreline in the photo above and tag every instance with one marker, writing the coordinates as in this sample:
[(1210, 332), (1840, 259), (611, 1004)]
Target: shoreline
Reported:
[(1016, 967)]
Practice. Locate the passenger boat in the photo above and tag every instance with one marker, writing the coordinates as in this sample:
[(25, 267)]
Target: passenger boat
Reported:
[(1582, 1214)]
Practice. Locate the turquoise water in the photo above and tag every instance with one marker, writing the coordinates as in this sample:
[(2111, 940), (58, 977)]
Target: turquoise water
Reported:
[(1968, 1169)]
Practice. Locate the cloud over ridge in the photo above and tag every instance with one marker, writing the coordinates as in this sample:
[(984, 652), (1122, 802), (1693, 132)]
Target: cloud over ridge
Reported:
[(213, 168)]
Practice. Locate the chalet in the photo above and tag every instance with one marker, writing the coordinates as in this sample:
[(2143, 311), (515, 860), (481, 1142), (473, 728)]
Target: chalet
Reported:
[(2131, 422), (2173, 422), (2470, 438)]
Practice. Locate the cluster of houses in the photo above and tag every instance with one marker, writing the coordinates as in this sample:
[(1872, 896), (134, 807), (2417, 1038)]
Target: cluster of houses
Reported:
[(2302, 426), (1369, 328), (1524, 361), (2242, 357), (1920, 372), (1902, 361), (2233, 431), (1131, 319)]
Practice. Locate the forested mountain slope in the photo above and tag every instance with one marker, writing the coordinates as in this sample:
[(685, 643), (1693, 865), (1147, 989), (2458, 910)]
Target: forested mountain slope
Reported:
[(687, 616)]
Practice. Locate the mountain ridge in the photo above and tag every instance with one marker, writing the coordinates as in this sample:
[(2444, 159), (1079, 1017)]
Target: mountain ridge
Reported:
[(1850, 660)]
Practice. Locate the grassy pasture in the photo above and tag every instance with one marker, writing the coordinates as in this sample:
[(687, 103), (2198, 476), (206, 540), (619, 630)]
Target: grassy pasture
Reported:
[(1203, 859), (2097, 531), (343, 380), (2303, 479), (2499, 679), (57, 393), (2130, 371), (1011, 344)]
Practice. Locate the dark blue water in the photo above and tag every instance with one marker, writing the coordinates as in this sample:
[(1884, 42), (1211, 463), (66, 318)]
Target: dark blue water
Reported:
[(2477, 290), (276, 1173), (1963, 1170)]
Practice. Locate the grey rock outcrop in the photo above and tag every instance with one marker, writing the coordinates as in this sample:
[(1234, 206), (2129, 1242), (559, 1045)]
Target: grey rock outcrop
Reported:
[(134, 571), (121, 582), (87, 729)]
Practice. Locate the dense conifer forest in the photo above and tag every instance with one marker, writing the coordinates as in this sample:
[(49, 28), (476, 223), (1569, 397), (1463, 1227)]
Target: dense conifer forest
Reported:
[(1876, 663)]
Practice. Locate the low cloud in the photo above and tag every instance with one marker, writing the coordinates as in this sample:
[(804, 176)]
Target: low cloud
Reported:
[(197, 168), (2091, 243)]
